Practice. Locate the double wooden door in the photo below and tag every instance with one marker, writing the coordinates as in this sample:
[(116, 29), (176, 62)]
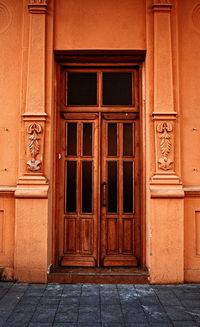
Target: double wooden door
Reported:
[(99, 190)]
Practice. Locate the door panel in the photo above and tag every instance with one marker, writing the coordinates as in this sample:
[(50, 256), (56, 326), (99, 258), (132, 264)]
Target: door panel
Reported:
[(99, 154), (120, 211), (79, 201)]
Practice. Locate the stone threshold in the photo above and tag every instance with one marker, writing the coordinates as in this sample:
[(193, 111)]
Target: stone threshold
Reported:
[(103, 275)]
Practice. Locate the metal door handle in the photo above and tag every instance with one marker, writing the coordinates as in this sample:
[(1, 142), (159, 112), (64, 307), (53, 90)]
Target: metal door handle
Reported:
[(104, 195)]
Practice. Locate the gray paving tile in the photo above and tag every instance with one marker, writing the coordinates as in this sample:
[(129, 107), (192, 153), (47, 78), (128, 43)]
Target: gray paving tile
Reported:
[(66, 317), (68, 307), (72, 287), (37, 286), (135, 317), (19, 317), (111, 313), (40, 324), (90, 290), (89, 314), (106, 299), (161, 324), (108, 324), (49, 300), (137, 308), (106, 305), (3, 318), (167, 297), (24, 308), (21, 287), (144, 290), (70, 300), (30, 299), (9, 299), (178, 313), (149, 300), (129, 299), (190, 303), (123, 292), (156, 314), (44, 315), (72, 290), (16, 324), (185, 324), (89, 300), (87, 324), (34, 292)]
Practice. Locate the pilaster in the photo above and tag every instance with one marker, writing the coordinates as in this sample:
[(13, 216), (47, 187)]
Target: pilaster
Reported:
[(34, 117), (166, 191), (31, 223)]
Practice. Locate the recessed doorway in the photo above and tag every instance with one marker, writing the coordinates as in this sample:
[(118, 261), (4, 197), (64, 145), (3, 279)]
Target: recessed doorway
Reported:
[(98, 174)]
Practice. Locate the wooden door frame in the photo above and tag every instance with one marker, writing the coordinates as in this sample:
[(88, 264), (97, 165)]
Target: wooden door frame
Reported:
[(102, 57)]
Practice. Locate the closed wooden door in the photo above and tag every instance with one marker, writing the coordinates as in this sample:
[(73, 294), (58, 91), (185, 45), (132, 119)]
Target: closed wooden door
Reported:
[(119, 210), (99, 212)]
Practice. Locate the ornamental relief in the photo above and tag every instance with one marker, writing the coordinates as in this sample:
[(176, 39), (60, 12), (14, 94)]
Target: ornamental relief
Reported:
[(165, 144), (34, 129)]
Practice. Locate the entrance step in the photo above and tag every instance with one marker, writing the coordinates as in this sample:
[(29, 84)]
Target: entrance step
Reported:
[(106, 275)]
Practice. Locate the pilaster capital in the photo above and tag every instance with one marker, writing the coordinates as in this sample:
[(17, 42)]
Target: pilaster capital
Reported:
[(37, 6), (162, 5)]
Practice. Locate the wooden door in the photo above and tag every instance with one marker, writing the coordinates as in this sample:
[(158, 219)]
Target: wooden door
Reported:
[(119, 210), (99, 190), (79, 190)]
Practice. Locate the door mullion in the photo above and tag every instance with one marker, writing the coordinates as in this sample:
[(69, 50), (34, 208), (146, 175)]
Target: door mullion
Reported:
[(79, 186)]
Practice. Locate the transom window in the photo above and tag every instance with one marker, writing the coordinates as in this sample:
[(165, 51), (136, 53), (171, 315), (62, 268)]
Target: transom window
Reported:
[(101, 87)]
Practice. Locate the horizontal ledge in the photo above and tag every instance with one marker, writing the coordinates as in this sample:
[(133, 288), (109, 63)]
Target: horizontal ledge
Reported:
[(164, 115), (7, 188), (162, 6), (40, 114), (192, 191), (167, 193), (41, 193), (34, 116)]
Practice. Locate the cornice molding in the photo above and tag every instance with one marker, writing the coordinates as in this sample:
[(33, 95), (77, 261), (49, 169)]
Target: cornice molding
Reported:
[(162, 5), (37, 6)]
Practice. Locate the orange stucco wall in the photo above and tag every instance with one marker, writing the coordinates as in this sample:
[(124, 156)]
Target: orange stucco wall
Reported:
[(100, 24), (27, 88)]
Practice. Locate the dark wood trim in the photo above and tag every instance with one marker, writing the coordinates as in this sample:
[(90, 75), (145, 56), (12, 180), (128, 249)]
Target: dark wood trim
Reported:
[(115, 58), (100, 56)]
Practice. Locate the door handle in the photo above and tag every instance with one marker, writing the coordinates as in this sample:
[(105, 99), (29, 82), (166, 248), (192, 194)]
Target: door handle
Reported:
[(104, 194)]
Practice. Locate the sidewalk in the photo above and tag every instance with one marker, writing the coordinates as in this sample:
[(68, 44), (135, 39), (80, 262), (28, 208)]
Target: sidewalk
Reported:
[(76, 305)]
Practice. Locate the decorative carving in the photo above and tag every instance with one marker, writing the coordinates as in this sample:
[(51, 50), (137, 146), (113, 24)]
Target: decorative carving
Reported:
[(34, 129), (165, 128), (196, 17), (5, 17)]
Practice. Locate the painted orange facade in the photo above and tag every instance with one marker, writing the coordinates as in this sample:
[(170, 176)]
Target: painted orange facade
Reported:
[(33, 33)]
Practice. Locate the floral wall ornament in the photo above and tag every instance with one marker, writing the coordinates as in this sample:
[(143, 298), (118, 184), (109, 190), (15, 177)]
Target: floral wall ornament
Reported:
[(34, 146), (165, 128)]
